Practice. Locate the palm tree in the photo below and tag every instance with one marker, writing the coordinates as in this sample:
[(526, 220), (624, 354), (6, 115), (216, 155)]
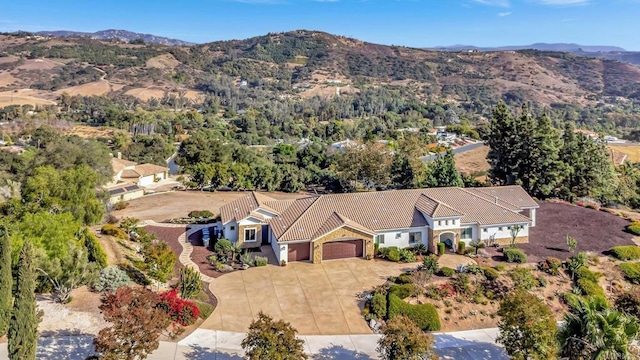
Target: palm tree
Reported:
[(593, 330)]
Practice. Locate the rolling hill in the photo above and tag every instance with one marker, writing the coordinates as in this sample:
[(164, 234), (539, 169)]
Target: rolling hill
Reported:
[(307, 64), (112, 34)]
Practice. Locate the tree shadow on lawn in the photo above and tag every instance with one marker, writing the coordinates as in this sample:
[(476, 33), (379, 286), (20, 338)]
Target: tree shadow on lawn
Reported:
[(452, 348), (336, 352), (72, 345), (203, 353)]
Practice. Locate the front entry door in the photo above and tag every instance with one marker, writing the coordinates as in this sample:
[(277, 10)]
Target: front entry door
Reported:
[(265, 234)]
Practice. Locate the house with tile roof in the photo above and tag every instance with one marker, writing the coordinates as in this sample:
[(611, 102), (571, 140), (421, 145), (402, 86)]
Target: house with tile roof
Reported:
[(334, 226), (134, 173)]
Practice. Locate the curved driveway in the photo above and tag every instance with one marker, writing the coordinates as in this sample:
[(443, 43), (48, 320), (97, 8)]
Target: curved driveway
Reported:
[(317, 299)]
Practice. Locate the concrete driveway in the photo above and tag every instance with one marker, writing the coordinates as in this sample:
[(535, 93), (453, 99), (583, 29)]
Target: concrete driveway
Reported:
[(317, 299)]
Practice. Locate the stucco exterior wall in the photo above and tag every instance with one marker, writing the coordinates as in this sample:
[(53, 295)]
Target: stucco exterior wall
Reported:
[(342, 233), (280, 250), (519, 240), (446, 223), (400, 237), (435, 236), (126, 196), (231, 231), (498, 234)]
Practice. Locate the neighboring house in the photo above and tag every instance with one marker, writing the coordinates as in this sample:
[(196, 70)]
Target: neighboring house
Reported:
[(141, 175), (337, 226), (343, 145), (124, 192)]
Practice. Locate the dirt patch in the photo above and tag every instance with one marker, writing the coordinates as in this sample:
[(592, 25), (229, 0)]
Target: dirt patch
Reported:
[(6, 79), (99, 87), (164, 61), (164, 206), (80, 316), (596, 231), (200, 254), (39, 64), (473, 161)]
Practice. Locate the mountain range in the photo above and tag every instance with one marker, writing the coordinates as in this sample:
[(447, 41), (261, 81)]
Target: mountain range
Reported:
[(563, 47), (309, 64), (112, 34)]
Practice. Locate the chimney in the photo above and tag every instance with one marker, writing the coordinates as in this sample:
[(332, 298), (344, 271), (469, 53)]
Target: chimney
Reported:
[(119, 155)]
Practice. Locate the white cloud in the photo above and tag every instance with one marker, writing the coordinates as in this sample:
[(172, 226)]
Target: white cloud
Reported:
[(503, 14), (499, 3)]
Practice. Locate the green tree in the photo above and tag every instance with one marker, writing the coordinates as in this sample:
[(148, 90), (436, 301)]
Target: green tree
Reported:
[(546, 168), (95, 251), (268, 339), (405, 173), (6, 281), (528, 328), (442, 172), (593, 330), (23, 326), (503, 146), (403, 340), (159, 260)]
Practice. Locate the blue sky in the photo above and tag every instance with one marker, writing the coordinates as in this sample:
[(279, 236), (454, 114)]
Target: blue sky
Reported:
[(419, 23)]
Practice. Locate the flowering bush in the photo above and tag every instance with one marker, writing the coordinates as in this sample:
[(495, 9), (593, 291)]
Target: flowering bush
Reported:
[(183, 312)]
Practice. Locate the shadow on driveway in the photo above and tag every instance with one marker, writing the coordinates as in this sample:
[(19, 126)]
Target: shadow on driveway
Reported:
[(452, 348), (203, 353), (339, 353)]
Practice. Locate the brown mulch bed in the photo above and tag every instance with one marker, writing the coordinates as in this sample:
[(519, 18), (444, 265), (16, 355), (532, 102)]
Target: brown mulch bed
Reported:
[(199, 255), (596, 231)]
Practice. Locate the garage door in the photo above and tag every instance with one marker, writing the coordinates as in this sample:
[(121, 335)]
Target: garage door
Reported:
[(342, 249), (299, 252)]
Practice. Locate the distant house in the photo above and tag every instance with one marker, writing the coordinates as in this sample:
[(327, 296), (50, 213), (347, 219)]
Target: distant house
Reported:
[(133, 173), (587, 133), (124, 192), (344, 144)]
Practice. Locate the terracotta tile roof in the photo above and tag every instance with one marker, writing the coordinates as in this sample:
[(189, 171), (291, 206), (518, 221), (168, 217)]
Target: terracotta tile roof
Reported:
[(513, 195), (120, 164), (150, 169), (279, 205), (336, 221), (311, 217), (244, 206), (130, 174)]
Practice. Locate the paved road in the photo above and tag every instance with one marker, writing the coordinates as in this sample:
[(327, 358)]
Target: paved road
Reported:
[(458, 150), (220, 345)]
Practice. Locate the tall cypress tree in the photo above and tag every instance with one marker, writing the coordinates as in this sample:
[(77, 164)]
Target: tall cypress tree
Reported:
[(6, 281), (525, 152), (547, 164), (503, 143), (23, 326)]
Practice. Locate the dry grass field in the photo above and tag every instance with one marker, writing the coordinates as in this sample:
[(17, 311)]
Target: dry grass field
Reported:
[(632, 151), (7, 79), (92, 132), (146, 94), (39, 64), (165, 61), (23, 97), (164, 206), (99, 87), (473, 160)]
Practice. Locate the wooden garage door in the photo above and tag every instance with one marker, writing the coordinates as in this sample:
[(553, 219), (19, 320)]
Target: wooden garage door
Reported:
[(299, 252), (342, 249)]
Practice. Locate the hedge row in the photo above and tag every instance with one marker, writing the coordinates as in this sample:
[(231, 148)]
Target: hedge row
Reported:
[(425, 316)]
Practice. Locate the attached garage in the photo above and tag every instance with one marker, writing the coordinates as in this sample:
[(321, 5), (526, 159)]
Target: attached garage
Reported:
[(299, 252), (342, 249)]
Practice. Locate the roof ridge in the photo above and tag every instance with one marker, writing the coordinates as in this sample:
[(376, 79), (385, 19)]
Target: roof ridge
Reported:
[(491, 202), (442, 203), (492, 196), (284, 233)]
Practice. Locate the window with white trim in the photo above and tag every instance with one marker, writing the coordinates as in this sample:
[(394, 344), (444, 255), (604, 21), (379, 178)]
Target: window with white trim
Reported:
[(232, 228), (380, 239), (500, 228), (415, 238), (466, 233), (446, 222), (439, 222), (398, 235), (485, 230), (250, 235)]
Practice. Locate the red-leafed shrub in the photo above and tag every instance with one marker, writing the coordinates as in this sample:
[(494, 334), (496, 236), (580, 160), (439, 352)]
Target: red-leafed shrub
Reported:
[(183, 312), (446, 290)]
